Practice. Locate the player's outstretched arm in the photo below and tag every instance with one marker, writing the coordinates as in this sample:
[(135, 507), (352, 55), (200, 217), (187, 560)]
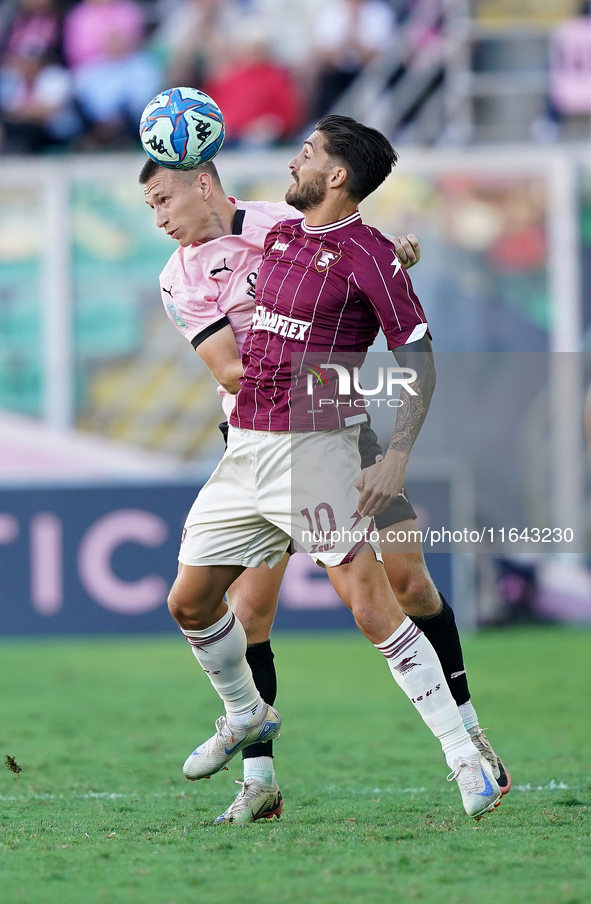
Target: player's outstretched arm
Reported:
[(381, 483), (408, 250), (220, 353)]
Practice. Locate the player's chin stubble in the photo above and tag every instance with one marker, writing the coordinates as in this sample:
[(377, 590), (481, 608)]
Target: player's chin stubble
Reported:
[(308, 196)]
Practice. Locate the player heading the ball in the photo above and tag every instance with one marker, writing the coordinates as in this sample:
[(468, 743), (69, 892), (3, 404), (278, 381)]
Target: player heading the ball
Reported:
[(181, 128)]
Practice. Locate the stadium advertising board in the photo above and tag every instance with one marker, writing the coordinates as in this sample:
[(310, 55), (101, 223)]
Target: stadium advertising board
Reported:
[(101, 559)]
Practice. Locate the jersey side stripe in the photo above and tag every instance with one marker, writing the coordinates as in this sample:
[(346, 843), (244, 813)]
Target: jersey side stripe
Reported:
[(316, 302), (284, 350)]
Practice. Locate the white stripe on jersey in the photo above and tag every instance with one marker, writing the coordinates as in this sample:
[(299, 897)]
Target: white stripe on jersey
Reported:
[(277, 369), (383, 281), (331, 227), (336, 330)]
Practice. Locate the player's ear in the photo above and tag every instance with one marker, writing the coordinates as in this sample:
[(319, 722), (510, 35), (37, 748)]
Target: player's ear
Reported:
[(204, 185), (337, 177)]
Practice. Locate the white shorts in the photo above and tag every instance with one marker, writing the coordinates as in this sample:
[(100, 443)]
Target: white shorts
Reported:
[(270, 487)]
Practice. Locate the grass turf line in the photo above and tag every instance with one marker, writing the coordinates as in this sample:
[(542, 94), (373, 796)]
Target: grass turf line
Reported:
[(102, 813)]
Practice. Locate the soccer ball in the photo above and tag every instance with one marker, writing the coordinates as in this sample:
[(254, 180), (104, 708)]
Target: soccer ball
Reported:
[(182, 128)]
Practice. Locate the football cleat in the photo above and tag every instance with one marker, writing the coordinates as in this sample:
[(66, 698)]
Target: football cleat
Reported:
[(477, 784), (213, 755), (254, 801), (482, 743)]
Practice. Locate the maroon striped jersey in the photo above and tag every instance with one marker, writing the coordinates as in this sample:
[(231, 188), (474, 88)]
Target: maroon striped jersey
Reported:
[(323, 293)]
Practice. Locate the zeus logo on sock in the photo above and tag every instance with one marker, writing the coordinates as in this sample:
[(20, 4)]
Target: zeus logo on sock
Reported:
[(428, 694)]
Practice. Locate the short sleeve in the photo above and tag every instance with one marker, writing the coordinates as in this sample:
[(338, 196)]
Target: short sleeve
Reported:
[(191, 308), (387, 288)]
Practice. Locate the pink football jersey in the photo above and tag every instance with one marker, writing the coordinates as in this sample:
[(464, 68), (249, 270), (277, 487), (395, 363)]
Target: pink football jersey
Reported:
[(322, 295), (206, 286)]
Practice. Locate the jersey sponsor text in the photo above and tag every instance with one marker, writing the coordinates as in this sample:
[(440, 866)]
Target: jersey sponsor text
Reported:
[(288, 327)]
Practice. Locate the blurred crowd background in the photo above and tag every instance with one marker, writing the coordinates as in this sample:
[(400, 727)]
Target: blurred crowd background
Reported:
[(76, 75), (489, 104)]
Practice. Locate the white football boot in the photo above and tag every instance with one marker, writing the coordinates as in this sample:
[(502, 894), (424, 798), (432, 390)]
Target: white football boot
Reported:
[(477, 784), (254, 801), (212, 755)]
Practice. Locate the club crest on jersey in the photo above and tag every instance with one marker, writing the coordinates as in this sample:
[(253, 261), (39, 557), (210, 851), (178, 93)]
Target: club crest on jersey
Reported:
[(324, 259), (174, 315), (277, 323)]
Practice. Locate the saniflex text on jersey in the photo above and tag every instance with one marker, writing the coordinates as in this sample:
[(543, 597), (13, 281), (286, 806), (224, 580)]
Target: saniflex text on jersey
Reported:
[(288, 327)]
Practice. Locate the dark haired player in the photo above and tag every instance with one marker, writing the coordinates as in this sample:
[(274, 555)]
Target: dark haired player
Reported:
[(212, 219)]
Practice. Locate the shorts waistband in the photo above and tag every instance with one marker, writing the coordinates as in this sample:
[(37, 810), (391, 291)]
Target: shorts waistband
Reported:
[(246, 432)]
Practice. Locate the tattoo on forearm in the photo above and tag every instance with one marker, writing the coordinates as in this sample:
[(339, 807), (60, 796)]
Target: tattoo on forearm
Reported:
[(409, 420), (413, 409)]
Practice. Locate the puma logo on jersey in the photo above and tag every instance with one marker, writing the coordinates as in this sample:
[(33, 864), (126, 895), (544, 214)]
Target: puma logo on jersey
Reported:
[(325, 259), (280, 246), (220, 269), (277, 323)]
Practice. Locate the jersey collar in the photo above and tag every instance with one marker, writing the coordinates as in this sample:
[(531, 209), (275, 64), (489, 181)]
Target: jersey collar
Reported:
[(238, 222), (332, 227)]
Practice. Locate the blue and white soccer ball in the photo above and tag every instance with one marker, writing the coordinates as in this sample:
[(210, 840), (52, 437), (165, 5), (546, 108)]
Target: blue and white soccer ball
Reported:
[(182, 128)]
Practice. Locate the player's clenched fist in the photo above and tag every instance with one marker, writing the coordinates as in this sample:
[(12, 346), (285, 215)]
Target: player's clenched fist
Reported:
[(408, 250)]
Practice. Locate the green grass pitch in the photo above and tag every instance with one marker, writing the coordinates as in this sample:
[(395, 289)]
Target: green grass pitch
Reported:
[(102, 813)]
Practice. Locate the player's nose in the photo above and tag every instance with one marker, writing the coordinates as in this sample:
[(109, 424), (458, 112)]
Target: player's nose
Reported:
[(161, 219)]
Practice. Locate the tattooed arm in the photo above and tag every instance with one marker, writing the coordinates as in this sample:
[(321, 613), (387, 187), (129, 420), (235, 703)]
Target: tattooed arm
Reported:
[(381, 483), (418, 357)]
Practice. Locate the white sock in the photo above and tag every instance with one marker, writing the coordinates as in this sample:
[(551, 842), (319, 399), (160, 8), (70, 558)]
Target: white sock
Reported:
[(417, 670), (259, 768), (239, 720), (468, 714), (220, 651)]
